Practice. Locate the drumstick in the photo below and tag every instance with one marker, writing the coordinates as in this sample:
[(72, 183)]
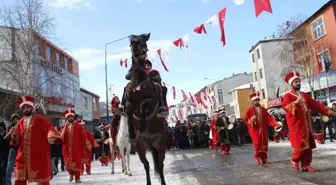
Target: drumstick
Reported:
[(9, 133)]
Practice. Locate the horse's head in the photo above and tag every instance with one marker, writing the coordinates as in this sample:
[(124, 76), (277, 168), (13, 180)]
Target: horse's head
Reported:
[(139, 45), (139, 51)]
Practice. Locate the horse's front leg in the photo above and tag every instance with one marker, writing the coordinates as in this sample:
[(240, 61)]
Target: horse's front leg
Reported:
[(127, 153)]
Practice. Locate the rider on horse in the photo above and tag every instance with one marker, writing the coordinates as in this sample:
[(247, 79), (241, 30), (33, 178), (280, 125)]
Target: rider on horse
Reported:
[(155, 76), (116, 110)]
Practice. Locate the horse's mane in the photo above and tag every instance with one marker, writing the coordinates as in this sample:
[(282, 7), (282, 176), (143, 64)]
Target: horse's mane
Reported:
[(133, 36)]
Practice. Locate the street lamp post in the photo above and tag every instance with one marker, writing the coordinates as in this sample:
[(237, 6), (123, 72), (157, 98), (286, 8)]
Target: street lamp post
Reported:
[(107, 103)]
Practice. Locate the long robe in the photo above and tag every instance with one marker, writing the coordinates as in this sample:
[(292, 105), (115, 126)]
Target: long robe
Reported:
[(90, 143), (299, 119), (259, 129), (73, 146), (33, 157), (214, 132)]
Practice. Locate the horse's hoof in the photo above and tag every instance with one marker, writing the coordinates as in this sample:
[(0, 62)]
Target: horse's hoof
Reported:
[(126, 172), (112, 172), (129, 174)]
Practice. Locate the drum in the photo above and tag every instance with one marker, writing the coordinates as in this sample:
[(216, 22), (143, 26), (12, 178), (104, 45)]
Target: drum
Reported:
[(230, 127), (280, 128), (325, 119)]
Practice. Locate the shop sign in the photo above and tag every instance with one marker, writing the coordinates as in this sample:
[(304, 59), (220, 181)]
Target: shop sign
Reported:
[(52, 66), (275, 102), (58, 101)]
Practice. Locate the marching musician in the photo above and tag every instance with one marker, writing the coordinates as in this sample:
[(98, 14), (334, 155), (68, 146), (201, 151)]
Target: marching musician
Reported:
[(33, 159), (297, 105), (258, 121), (90, 143), (222, 124), (73, 145)]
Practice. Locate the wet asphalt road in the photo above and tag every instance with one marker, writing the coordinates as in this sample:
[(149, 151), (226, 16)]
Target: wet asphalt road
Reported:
[(208, 167)]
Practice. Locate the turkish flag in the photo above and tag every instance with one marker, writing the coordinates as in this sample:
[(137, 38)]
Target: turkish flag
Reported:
[(262, 5)]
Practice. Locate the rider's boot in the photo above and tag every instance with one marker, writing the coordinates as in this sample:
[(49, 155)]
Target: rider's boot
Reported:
[(129, 74), (163, 108)]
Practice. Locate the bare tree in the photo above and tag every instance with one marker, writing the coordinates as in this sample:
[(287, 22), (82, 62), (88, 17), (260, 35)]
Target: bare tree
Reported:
[(299, 55), (22, 65)]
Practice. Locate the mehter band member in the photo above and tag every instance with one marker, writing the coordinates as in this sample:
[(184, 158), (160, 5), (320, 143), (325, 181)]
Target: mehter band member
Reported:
[(222, 124), (33, 134), (73, 146), (258, 121), (297, 106)]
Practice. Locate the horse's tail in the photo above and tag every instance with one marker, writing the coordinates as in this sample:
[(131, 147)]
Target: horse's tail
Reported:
[(155, 154)]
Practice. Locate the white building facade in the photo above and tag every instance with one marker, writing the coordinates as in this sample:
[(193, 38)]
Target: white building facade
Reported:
[(221, 90), (267, 65)]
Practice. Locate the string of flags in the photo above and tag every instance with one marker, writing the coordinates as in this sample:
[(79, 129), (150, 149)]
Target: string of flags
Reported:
[(183, 42), (215, 20)]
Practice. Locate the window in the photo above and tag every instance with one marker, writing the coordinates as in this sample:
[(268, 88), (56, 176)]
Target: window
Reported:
[(263, 93), (58, 59), (49, 53), (236, 107), (96, 104), (220, 96), (255, 76), (260, 73), (69, 64), (318, 28), (58, 86), (258, 53), (66, 64), (85, 102), (43, 81), (253, 58)]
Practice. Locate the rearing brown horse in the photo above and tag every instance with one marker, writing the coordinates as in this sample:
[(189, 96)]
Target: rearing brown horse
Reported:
[(141, 102)]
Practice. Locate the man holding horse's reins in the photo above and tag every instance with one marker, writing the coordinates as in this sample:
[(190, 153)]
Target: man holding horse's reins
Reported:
[(117, 111)]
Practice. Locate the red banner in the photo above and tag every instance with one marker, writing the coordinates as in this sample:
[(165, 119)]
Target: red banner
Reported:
[(275, 102)]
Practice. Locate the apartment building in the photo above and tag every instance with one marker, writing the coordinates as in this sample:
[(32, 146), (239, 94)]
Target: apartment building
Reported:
[(240, 99), (267, 64), (43, 70), (315, 35)]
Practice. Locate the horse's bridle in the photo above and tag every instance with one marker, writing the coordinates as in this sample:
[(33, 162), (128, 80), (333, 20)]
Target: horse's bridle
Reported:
[(143, 53)]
